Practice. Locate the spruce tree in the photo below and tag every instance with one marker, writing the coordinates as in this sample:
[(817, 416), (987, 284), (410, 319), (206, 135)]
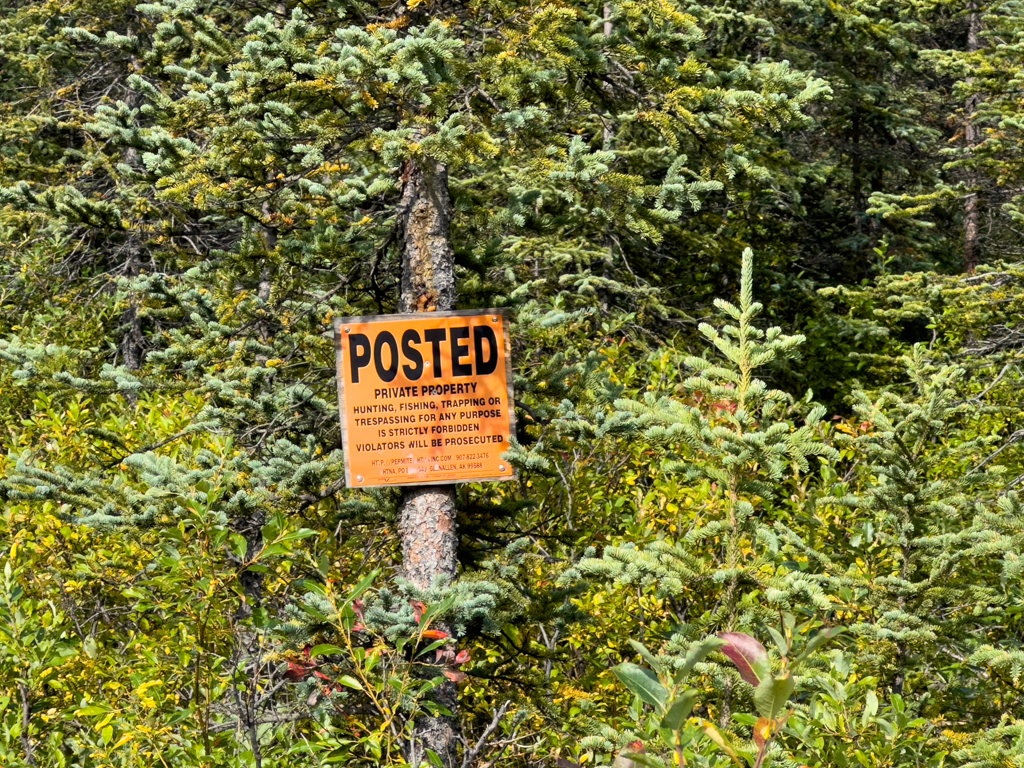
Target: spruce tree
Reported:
[(727, 432), (980, 181)]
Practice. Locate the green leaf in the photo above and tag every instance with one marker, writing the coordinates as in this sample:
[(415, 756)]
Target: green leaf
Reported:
[(897, 703), (273, 549), (432, 647), (643, 683), (350, 681), (91, 711), (364, 584), (302, 533), (239, 546), (647, 655), (772, 694), (643, 759), (817, 641), (679, 711), (780, 641), (325, 650), (437, 609), (696, 654), (870, 708)]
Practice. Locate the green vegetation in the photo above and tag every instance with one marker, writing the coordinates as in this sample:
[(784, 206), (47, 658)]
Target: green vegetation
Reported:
[(762, 261)]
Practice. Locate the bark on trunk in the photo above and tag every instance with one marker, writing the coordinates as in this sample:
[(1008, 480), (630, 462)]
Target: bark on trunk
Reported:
[(425, 216), (427, 517), (972, 205)]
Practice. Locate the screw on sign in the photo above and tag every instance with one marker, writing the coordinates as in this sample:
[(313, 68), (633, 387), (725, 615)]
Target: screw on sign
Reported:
[(425, 399)]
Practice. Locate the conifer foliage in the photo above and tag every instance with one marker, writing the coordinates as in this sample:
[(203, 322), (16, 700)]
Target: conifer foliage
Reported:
[(698, 563)]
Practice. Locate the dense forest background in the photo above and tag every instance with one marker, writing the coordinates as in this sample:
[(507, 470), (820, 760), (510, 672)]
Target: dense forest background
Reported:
[(763, 260)]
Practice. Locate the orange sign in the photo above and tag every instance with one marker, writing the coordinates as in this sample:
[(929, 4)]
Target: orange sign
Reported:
[(425, 398)]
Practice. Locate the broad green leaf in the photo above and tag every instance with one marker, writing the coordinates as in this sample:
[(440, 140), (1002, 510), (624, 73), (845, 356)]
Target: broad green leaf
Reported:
[(647, 655), (364, 584), (302, 533), (772, 695), (870, 708), (819, 639), (696, 654), (643, 759), (432, 647), (91, 710), (273, 549), (679, 710), (643, 683), (350, 681), (437, 609), (325, 650), (239, 546), (780, 641)]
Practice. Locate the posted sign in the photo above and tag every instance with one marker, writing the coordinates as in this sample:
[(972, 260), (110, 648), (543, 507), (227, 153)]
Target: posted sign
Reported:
[(425, 399)]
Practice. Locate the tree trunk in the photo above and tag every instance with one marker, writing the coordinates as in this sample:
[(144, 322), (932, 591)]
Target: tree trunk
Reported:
[(132, 347), (608, 135), (857, 192), (427, 517), (972, 205)]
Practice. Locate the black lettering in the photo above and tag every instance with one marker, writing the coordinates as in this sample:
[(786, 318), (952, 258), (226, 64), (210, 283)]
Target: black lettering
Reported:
[(384, 338), (480, 333), (460, 351), (435, 336), (412, 372), (358, 360)]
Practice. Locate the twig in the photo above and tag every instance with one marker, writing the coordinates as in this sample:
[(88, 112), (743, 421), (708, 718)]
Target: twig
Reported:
[(26, 712), (1011, 440), (273, 719), (473, 753)]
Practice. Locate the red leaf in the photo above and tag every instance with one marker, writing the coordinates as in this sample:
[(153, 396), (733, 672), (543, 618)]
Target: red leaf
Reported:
[(434, 634), (462, 657), (357, 627), (454, 675), (322, 676), (418, 609), (296, 671), (746, 653), (358, 606)]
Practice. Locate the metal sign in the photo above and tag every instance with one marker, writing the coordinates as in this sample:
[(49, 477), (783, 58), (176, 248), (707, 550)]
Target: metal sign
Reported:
[(425, 399)]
